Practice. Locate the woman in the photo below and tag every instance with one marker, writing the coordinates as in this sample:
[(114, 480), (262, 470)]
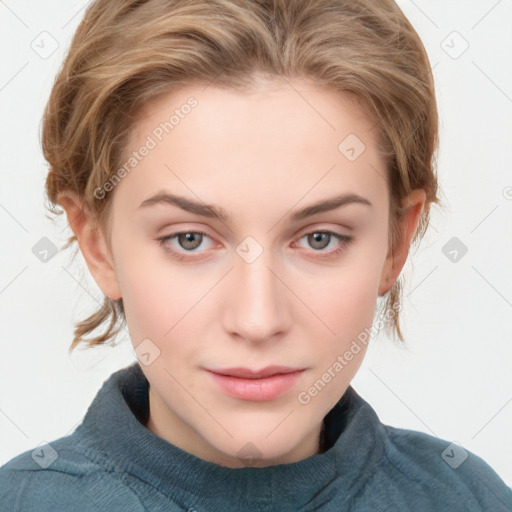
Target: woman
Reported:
[(244, 180)]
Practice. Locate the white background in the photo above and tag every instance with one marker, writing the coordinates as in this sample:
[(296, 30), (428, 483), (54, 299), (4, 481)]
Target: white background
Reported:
[(452, 377)]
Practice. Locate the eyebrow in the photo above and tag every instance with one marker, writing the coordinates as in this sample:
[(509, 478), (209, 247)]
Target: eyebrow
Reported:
[(215, 212)]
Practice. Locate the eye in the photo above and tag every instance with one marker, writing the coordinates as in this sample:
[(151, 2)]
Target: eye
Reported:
[(187, 242), (319, 240)]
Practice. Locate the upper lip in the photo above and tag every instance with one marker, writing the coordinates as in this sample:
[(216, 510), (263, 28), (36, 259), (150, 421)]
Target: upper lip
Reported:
[(255, 374)]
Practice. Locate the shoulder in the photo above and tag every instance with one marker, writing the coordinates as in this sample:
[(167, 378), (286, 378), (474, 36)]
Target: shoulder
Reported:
[(61, 476), (445, 471)]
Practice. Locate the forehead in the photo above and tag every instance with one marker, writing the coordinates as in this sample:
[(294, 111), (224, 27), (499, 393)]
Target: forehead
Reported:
[(280, 137), (274, 109)]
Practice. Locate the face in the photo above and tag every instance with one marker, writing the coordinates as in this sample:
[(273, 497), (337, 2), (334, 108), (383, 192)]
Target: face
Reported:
[(223, 263)]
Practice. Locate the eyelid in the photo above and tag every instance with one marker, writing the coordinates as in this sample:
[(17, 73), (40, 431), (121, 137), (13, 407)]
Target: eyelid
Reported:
[(312, 228), (342, 239), (320, 227), (180, 254)]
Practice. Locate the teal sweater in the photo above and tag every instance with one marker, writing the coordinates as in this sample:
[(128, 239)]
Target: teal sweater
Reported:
[(112, 462)]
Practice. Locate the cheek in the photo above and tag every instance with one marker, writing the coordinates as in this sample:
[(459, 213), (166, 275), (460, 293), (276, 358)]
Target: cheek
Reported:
[(153, 302), (150, 294), (348, 307), (350, 297), (163, 302), (350, 312)]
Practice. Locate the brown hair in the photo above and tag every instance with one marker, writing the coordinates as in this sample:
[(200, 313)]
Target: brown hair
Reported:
[(128, 52)]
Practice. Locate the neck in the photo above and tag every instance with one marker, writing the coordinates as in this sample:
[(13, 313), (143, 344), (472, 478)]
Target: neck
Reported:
[(164, 423)]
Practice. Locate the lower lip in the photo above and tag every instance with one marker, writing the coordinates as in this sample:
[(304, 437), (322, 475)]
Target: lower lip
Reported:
[(257, 390)]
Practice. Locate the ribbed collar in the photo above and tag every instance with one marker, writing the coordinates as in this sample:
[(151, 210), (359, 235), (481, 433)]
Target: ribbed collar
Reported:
[(114, 427)]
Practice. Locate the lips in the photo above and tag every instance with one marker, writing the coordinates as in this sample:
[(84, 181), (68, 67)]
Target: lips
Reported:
[(247, 373), (256, 385)]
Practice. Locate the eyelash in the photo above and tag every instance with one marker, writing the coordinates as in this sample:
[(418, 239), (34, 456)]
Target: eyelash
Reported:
[(343, 239)]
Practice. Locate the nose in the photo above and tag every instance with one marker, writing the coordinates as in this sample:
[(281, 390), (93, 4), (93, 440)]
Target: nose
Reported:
[(257, 308)]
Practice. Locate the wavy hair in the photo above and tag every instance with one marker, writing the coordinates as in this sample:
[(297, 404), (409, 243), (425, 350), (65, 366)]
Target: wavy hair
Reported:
[(128, 52)]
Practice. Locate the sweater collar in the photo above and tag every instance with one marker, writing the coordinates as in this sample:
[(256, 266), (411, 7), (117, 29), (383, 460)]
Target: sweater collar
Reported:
[(114, 427)]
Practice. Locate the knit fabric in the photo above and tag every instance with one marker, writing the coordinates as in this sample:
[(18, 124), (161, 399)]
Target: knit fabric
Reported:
[(112, 462)]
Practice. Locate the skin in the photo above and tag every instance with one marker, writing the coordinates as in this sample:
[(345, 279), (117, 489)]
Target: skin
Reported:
[(260, 156)]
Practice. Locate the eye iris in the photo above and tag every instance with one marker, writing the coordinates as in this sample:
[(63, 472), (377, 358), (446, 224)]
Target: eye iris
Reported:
[(185, 239), (314, 238)]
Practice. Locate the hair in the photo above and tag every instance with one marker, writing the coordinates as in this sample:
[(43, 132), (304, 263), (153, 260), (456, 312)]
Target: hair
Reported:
[(129, 52)]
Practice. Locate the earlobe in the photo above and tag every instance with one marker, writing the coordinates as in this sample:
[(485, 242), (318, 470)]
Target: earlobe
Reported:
[(92, 243), (395, 261)]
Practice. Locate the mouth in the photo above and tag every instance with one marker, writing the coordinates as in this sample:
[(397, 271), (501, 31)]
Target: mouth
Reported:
[(256, 385), (247, 373)]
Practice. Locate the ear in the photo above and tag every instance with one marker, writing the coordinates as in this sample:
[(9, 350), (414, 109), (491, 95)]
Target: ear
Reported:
[(414, 204), (92, 243)]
